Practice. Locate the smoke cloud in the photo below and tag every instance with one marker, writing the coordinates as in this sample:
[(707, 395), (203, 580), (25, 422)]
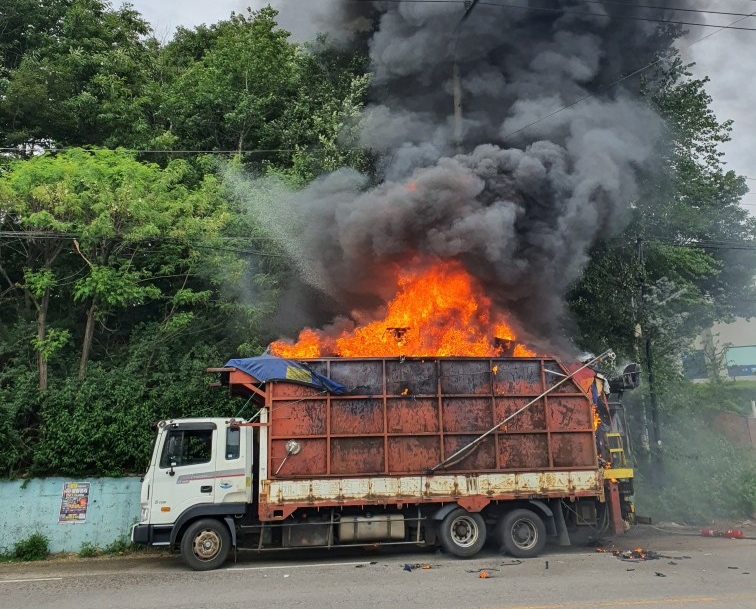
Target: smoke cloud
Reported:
[(519, 204)]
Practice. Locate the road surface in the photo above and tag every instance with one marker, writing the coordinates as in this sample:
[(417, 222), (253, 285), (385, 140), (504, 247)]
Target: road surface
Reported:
[(698, 573)]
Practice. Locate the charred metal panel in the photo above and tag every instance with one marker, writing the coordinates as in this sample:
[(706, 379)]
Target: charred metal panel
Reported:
[(465, 377), (517, 377), (412, 416), (571, 449), (524, 451), (357, 456), (361, 376), (465, 415), (481, 458), (353, 417), (411, 377), (555, 373), (569, 413), (530, 419), (413, 454)]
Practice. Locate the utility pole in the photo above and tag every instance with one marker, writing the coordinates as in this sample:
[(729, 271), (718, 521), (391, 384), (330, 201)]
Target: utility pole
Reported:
[(646, 335), (456, 78)]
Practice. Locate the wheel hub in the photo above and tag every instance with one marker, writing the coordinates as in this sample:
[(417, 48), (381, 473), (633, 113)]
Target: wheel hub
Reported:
[(206, 545), (464, 531), (524, 534)]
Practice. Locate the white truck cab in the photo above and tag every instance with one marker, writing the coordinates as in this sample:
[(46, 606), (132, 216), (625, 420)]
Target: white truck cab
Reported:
[(198, 467)]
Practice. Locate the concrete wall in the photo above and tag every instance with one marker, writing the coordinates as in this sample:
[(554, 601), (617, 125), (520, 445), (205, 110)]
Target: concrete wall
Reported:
[(33, 506), (738, 428)]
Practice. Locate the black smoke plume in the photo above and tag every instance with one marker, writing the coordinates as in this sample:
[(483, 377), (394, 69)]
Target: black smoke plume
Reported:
[(518, 200)]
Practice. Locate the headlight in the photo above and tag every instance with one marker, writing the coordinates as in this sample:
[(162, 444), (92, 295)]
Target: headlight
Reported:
[(145, 514)]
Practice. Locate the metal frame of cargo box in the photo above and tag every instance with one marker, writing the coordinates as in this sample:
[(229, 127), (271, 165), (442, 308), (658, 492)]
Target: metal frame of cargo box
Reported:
[(282, 492)]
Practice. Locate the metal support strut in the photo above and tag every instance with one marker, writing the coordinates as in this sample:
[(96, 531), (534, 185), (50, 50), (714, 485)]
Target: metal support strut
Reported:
[(450, 459)]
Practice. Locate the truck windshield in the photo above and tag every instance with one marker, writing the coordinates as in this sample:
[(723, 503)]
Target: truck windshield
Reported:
[(187, 447)]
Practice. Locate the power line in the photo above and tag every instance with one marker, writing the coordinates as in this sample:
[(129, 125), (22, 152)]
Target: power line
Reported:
[(672, 9), (16, 235), (621, 17), (618, 81), (580, 13), (159, 151)]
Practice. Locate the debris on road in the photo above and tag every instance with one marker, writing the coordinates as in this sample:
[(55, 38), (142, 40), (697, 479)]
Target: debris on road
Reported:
[(638, 554), (659, 574), (412, 567)]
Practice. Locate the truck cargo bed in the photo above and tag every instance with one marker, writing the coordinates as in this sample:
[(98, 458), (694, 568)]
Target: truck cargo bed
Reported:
[(403, 416)]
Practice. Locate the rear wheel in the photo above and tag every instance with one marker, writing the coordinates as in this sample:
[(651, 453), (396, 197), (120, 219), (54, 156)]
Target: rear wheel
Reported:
[(522, 533), (462, 533), (206, 544)]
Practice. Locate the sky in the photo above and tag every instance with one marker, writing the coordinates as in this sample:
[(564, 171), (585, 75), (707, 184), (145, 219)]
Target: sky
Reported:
[(726, 58)]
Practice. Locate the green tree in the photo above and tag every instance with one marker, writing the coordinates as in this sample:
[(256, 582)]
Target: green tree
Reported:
[(77, 72), (228, 98), (110, 210), (698, 242)]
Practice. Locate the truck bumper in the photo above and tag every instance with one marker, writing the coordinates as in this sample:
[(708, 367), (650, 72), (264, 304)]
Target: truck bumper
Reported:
[(140, 533), (151, 535)]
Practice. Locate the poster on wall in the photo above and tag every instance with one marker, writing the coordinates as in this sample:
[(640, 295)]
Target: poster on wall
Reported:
[(73, 503)]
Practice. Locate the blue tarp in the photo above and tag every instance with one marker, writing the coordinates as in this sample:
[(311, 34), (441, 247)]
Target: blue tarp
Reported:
[(270, 368)]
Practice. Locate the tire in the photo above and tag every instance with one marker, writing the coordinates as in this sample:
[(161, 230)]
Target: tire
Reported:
[(206, 544), (522, 533), (462, 533)]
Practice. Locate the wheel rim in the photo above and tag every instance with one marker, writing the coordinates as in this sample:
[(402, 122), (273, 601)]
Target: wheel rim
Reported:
[(207, 545), (464, 531), (524, 534)]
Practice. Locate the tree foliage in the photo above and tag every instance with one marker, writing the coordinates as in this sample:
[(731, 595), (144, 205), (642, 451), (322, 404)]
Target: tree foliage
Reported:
[(127, 266)]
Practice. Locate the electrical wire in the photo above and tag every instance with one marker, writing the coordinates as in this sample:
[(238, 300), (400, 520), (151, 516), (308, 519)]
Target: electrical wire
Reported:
[(616, 82), (579, 13)]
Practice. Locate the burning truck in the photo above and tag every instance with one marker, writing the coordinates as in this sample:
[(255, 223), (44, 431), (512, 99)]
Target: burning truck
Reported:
[(505, 148), (432, 427)]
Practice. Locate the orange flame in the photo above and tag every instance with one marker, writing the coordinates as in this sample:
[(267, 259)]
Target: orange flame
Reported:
[(440, 311)]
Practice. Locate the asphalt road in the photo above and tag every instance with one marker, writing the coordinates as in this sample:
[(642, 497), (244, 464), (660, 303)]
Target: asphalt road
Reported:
[(698, 573)]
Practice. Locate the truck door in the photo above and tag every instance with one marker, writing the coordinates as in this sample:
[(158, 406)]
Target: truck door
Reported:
[(185, 470), (232, 466)]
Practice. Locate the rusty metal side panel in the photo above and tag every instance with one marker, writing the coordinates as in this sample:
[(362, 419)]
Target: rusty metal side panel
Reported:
[(531, 419), (467, 415), (296, 419), (483, 458), (465, 377), (406, 415), (284, 495), (413, 453), (411, 377), (357, 456), (570, 414), (359, 416), (311, 460), (517, 377), (523, 451), (573, 449)]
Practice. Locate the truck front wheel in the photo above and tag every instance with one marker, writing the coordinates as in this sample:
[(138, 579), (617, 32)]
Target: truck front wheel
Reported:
[(462, 533), (522, 533), (206, 544)]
